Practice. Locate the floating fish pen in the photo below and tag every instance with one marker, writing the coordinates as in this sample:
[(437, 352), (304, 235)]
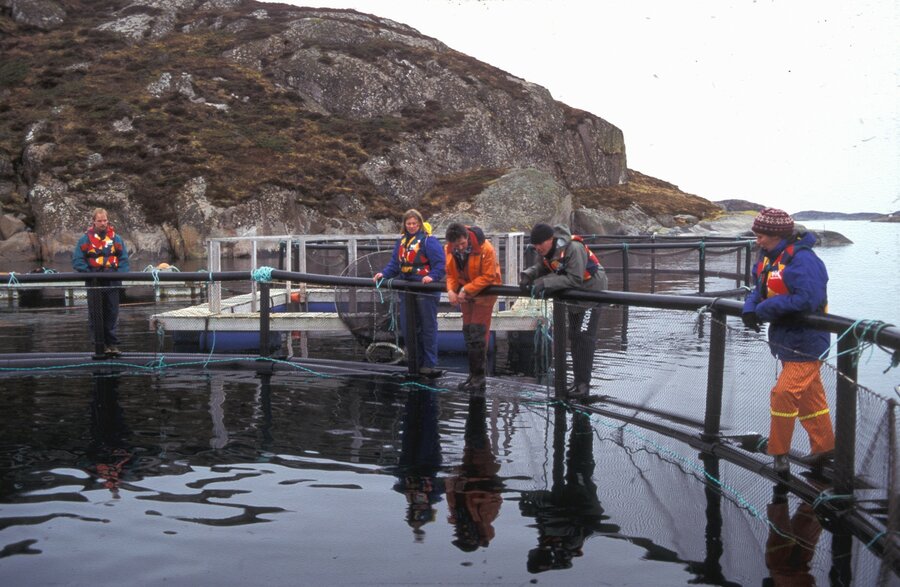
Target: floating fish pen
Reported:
[(368, 470)]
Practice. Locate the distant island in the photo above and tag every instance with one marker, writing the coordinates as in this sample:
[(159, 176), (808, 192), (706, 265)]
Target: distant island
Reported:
[(872, 216), (745, 206)]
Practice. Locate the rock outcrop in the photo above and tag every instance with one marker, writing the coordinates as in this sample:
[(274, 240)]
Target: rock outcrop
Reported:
[(189, 119)]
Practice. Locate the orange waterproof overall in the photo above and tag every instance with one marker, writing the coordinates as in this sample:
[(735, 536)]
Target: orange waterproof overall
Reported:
[(798, 393)]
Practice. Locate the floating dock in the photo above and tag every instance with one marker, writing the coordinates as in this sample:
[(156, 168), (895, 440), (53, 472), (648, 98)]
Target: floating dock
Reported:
[(240, 314)]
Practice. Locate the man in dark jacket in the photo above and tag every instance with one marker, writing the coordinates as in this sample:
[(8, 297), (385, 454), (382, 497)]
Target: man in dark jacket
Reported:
[(565, 262), (789, 280), (101, 249)]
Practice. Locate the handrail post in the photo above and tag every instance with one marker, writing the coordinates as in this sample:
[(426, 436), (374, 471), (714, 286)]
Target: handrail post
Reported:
[(748, 264), (410, 332), (559, 348), (625, 268), (254, 290), (95, 315), (264, 316), (702, 267), (214, 288), (844, 456), (845, 418), (715, 376)]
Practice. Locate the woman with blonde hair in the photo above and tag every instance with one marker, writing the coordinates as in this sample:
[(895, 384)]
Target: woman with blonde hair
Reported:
[(418, 256)]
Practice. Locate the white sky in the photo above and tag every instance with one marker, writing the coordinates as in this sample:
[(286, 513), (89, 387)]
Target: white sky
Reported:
[(787, 103)]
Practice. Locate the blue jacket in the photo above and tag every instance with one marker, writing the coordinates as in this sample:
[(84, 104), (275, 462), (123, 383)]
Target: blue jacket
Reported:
[(806, 280), (434, 252)]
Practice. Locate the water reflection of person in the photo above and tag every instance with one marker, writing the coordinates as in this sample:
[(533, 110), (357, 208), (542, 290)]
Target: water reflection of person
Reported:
[(473, 494), (570, 511), (420, 459), (791, 543), (109, 450)]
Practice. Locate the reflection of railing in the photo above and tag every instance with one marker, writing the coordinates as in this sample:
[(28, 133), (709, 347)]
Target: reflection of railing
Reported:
[(877, 531)]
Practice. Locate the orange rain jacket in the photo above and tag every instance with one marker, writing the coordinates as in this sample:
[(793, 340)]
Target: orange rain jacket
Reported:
[(480, 271)]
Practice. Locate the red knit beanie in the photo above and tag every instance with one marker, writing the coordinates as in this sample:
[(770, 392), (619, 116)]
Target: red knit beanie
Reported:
[(773, 222)]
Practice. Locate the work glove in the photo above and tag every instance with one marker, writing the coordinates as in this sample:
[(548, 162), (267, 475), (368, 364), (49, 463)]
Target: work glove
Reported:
[(751, 321), (538, 289), (525, 280)]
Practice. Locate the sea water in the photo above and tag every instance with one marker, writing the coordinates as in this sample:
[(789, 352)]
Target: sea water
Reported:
[(864, 283), (231, 478)]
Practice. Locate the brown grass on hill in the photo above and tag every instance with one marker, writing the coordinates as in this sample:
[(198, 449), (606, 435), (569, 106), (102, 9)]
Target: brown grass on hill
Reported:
[(267, 136), (654, 196), (458, 187)]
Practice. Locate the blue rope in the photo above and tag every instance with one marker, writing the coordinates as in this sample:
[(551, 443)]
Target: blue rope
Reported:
[(12, 278), (211, 349), (422, 386), (262, 274), (378, 283), (49, 271), (826, 497), (875, 539), (862, 345)]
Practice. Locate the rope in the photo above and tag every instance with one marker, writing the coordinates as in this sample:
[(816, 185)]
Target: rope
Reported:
[(12, 278), (423, 386), (825, 497), (875, 326), (212, 348), (262, 274), (378, 283), (209, 278), (698, 320)]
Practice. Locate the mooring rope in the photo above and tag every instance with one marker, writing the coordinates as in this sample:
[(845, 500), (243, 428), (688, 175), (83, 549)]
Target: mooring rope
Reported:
[(875, 326), (262, 274)]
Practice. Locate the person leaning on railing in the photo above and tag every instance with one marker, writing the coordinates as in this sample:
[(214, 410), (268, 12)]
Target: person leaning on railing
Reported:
[(565, 262), (101, 249), (790, 279), (472, 266)]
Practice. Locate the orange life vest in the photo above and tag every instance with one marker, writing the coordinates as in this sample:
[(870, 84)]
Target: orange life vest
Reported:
[(770, 274), (102, 253), (412, 255), (558, 265)]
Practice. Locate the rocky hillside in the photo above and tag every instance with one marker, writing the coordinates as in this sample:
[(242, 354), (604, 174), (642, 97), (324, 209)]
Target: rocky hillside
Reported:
[(197, 118)]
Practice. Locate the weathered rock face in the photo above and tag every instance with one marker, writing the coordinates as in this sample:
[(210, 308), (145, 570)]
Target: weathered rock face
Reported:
[(351, 68), (41, 14), (514, 202), (189, 119)]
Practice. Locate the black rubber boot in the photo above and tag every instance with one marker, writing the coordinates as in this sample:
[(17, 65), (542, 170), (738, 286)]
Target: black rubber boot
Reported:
[(464, 386), (477, 358)]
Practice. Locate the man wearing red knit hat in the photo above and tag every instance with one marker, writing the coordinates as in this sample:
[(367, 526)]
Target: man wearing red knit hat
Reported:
[(790, 280)]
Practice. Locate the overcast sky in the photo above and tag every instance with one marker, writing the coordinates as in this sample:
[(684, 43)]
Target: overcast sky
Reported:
[(787, 103)]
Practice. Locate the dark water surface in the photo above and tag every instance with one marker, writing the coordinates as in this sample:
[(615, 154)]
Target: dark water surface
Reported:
[(233, 478)]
